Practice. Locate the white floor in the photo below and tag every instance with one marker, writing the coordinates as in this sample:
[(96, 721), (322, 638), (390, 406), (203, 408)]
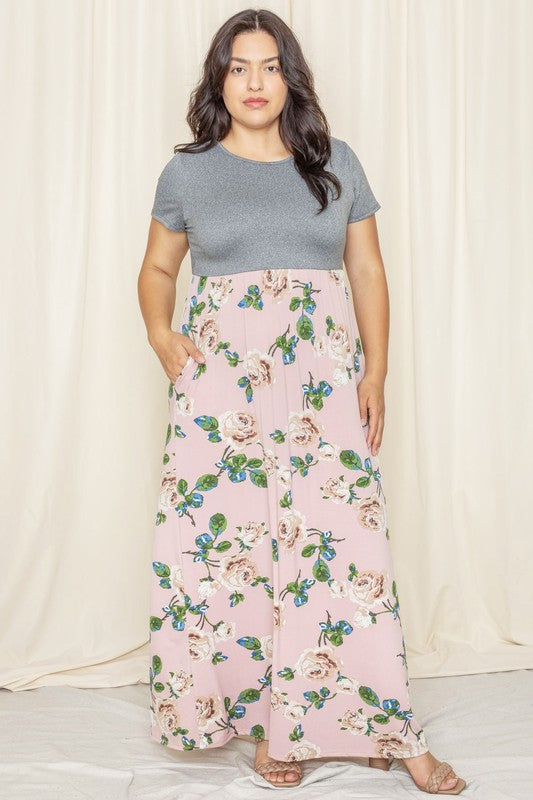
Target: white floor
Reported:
[(60, 743)]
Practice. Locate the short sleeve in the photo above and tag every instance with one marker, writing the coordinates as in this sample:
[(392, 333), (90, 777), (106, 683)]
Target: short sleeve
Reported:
[(364, 202), (168, 206)]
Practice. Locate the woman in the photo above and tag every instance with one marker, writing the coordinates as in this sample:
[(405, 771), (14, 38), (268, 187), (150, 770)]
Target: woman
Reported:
[(274, 610)]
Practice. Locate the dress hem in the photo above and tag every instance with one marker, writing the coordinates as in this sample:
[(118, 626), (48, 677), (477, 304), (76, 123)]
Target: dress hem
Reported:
[(279, 756)]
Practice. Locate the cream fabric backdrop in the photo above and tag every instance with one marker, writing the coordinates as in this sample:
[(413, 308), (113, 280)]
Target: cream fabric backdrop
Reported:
[(436, 99)]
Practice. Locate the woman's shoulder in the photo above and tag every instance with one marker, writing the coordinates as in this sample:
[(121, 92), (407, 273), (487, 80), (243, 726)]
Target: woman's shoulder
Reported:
[(344, 157), (342, 150), (183, 164), (337, 145), (194, 156), (172, 170)]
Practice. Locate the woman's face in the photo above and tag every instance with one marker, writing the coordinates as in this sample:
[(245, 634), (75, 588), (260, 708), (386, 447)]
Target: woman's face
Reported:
[(248, 77)]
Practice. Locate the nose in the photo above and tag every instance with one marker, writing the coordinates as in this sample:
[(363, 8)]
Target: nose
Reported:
[(254, 81)]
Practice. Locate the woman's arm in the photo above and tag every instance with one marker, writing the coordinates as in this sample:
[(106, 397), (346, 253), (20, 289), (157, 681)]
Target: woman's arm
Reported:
[(366, 273), (156, 287), (156, 284)]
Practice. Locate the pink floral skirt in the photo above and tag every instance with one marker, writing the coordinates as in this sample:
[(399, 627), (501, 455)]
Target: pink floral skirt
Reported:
[(274, 609)]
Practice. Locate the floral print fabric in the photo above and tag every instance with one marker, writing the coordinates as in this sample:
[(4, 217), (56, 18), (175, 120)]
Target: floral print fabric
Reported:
[(274, 609)]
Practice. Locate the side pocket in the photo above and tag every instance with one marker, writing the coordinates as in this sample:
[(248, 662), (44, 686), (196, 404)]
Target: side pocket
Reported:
[(184, 372)]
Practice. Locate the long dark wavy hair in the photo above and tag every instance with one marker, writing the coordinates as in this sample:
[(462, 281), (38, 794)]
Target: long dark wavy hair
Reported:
[(303, 127)]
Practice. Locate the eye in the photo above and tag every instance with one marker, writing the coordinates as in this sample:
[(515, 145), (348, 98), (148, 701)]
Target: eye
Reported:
[(270, 66)]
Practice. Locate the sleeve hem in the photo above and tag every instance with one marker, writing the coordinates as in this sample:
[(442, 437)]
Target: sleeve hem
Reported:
[(167, 224), (365, 215)]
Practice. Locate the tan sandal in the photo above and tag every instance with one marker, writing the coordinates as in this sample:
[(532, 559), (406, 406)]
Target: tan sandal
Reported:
[(434, 779), (273, 765)]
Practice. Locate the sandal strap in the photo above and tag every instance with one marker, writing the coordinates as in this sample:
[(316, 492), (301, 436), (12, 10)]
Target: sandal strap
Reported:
[(437, 776), (278, 766)]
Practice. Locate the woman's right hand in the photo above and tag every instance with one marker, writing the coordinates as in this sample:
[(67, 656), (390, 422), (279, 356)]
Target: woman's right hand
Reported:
[(173, 350)]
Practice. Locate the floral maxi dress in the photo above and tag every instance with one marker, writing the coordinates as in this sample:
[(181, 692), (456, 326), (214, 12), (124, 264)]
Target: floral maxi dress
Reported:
[(274, 609)]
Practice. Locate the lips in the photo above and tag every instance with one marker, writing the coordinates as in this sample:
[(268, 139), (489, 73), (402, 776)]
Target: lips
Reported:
[(255, 102)]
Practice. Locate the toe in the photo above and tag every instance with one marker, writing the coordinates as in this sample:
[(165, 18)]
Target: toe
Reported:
[(450, 781)]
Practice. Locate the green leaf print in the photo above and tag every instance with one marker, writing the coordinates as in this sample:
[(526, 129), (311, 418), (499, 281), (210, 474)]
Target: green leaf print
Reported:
[(244, 383), (236, 598), (286, 673), (218, 657), (249, 696), (369, 696), (188, 744), (196, 309), (350, 459), (206, 422), (297, 733), (334, 633), (249, 642), (232, 358), (206, 482), (336, 638), (194, 500), (217, 523), (258, 478), (314, 395), (252, 298), (286, 500), (278, 436), (178, 432), (221, 547), (287, 347), (391, 706), (258, 733), (321, 570), (304, 327)]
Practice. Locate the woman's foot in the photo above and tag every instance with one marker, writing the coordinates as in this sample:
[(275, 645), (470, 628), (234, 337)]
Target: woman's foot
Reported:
[(421, 767), (283, 773)]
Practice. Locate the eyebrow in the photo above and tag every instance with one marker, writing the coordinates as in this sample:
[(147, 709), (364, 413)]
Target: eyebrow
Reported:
[(247, 61)]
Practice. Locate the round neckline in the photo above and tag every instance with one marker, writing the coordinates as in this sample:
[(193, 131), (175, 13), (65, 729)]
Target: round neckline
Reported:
[(253, 160)]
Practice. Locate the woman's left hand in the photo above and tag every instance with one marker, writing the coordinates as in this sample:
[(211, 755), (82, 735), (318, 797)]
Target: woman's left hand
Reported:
[(371, 393)]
